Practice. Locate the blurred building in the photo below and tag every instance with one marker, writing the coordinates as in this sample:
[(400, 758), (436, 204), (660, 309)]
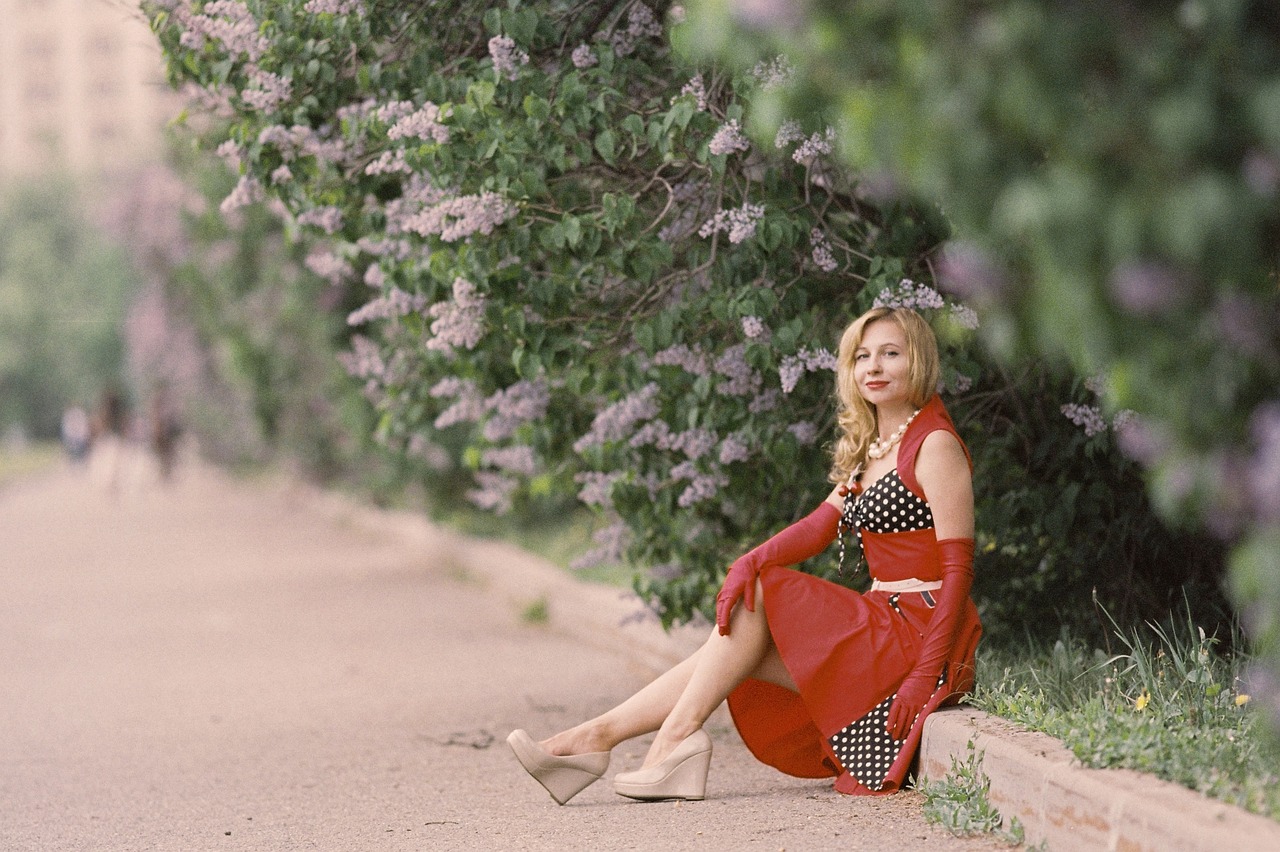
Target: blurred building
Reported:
[(82, 88)]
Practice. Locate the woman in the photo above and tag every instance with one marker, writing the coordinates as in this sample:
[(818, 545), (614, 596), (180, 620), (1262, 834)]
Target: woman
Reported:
[(822, 680)]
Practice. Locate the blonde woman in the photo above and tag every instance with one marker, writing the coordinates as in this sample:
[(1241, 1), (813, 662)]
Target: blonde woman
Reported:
[(821, 680)]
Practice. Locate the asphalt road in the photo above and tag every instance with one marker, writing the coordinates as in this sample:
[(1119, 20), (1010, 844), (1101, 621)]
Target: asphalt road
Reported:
[(218, 665)]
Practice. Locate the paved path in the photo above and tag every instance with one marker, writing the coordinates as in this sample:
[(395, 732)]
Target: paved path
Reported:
[(225, 666)]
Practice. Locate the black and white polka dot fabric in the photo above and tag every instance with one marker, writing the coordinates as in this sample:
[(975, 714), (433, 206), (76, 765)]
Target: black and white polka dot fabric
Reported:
[(888, 506), (865, 748)]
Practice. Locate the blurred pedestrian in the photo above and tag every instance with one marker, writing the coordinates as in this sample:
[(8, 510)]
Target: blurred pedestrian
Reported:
[(75, 434)]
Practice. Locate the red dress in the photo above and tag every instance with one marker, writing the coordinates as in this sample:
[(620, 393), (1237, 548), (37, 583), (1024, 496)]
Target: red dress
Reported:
[(848, 652)]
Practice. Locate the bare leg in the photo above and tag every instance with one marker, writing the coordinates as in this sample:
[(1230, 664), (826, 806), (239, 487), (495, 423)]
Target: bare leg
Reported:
[(681, 699)]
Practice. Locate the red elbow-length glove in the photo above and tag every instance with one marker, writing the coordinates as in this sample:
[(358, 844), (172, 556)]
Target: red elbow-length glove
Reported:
[(807, 537), (956, 556)]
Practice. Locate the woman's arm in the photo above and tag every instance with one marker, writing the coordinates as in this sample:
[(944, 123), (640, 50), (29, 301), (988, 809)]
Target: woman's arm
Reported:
[(942, 469)]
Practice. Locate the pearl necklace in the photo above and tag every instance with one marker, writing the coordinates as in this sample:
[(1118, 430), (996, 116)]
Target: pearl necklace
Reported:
[(879, 449)]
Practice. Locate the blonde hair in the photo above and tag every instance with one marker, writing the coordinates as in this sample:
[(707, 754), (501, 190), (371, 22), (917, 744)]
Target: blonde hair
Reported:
[(857, 417)]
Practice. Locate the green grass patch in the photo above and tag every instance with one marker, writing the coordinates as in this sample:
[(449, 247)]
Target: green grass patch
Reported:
[(960, 802), (34, 458), (1167, 702)]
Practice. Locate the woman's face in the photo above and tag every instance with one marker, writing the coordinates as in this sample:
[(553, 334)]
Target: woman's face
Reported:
[(881, 366)]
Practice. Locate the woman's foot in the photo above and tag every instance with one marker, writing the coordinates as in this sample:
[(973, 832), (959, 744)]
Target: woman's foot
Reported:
[(583, 739), (682, 774), (562, 776)]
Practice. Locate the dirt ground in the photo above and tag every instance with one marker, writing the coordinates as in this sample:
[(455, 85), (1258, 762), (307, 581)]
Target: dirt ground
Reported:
[(217, 665)]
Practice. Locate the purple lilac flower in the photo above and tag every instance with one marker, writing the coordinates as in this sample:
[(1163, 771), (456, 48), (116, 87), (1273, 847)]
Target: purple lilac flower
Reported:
[(1087, 417), (823, 257), (694, 443), (728, 139), (1246, 324), (734, 449), (765, 401), (743, 380), (268, 91), (375, 277), (494, 493), (459, 218), (817, 145), (740, 222), (247, 191), (655, 432), (611, 544), (459, 322), (468, 404), (519, 459), (334, 7), (421, 447), (909, 294), (584, 56), (615, 421), (507, 58), (767, 14), (641, 24), (692, 361), (282, 174), (396, 303), (961, 383), (423, 123), (702, 486), (328, 265), (364, 361), (698, 89), (754, 328), (389, 162), (788, 133), (964, 316), (327, 219), (523, 402), (804, 432), (597, 487), (1261, 173), (228, 22)]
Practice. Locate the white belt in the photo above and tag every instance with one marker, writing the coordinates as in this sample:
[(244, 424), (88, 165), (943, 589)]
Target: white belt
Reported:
[(911, 584)]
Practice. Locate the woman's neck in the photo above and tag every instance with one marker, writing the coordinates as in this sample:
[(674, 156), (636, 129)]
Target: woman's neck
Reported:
[(889, 418)]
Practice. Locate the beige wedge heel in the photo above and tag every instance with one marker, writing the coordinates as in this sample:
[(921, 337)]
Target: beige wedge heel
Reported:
[(683, 775), (563, 777)]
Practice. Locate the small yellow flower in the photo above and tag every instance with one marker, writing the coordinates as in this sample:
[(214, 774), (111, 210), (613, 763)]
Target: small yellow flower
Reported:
[(1242, 700), (1141, 702)]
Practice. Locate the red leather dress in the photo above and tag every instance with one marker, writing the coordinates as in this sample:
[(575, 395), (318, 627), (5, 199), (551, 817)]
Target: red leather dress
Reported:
[(848, 651)]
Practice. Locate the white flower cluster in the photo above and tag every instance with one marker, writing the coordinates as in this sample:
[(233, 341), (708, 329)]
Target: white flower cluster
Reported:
[(460, 217), (423, 123), (1087, 417), (327, 219), (805, 361), (615, 421), (494, 493), (642, 23), (823, 257), (281, 174), (524, 402), (964, 316), (788, 132), (584, 56), (740, 222), (468, 404), (228, 22), (334, 7), (596, 487), (268, 90), (728, 139), (909, 294), (507, 58), (396, 303), (459, 322)]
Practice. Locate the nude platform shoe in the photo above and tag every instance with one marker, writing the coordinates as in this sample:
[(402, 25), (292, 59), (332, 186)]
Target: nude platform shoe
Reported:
[(683, 775), (563, 777)]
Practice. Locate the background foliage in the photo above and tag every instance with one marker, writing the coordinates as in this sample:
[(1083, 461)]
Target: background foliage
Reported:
[(1112, 172), (64, 291), (566, 270)]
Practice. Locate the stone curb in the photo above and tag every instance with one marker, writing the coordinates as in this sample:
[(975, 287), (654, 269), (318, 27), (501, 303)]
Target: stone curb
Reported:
[(1033, 776)]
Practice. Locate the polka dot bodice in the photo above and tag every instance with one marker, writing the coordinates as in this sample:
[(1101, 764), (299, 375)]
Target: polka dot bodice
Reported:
[(888, 506)]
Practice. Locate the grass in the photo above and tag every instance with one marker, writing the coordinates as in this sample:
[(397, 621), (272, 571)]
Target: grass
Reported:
[(33, 458), (960, 803), (1169, 704)]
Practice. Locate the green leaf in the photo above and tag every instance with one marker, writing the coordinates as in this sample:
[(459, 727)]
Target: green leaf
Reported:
[(605, 146)]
